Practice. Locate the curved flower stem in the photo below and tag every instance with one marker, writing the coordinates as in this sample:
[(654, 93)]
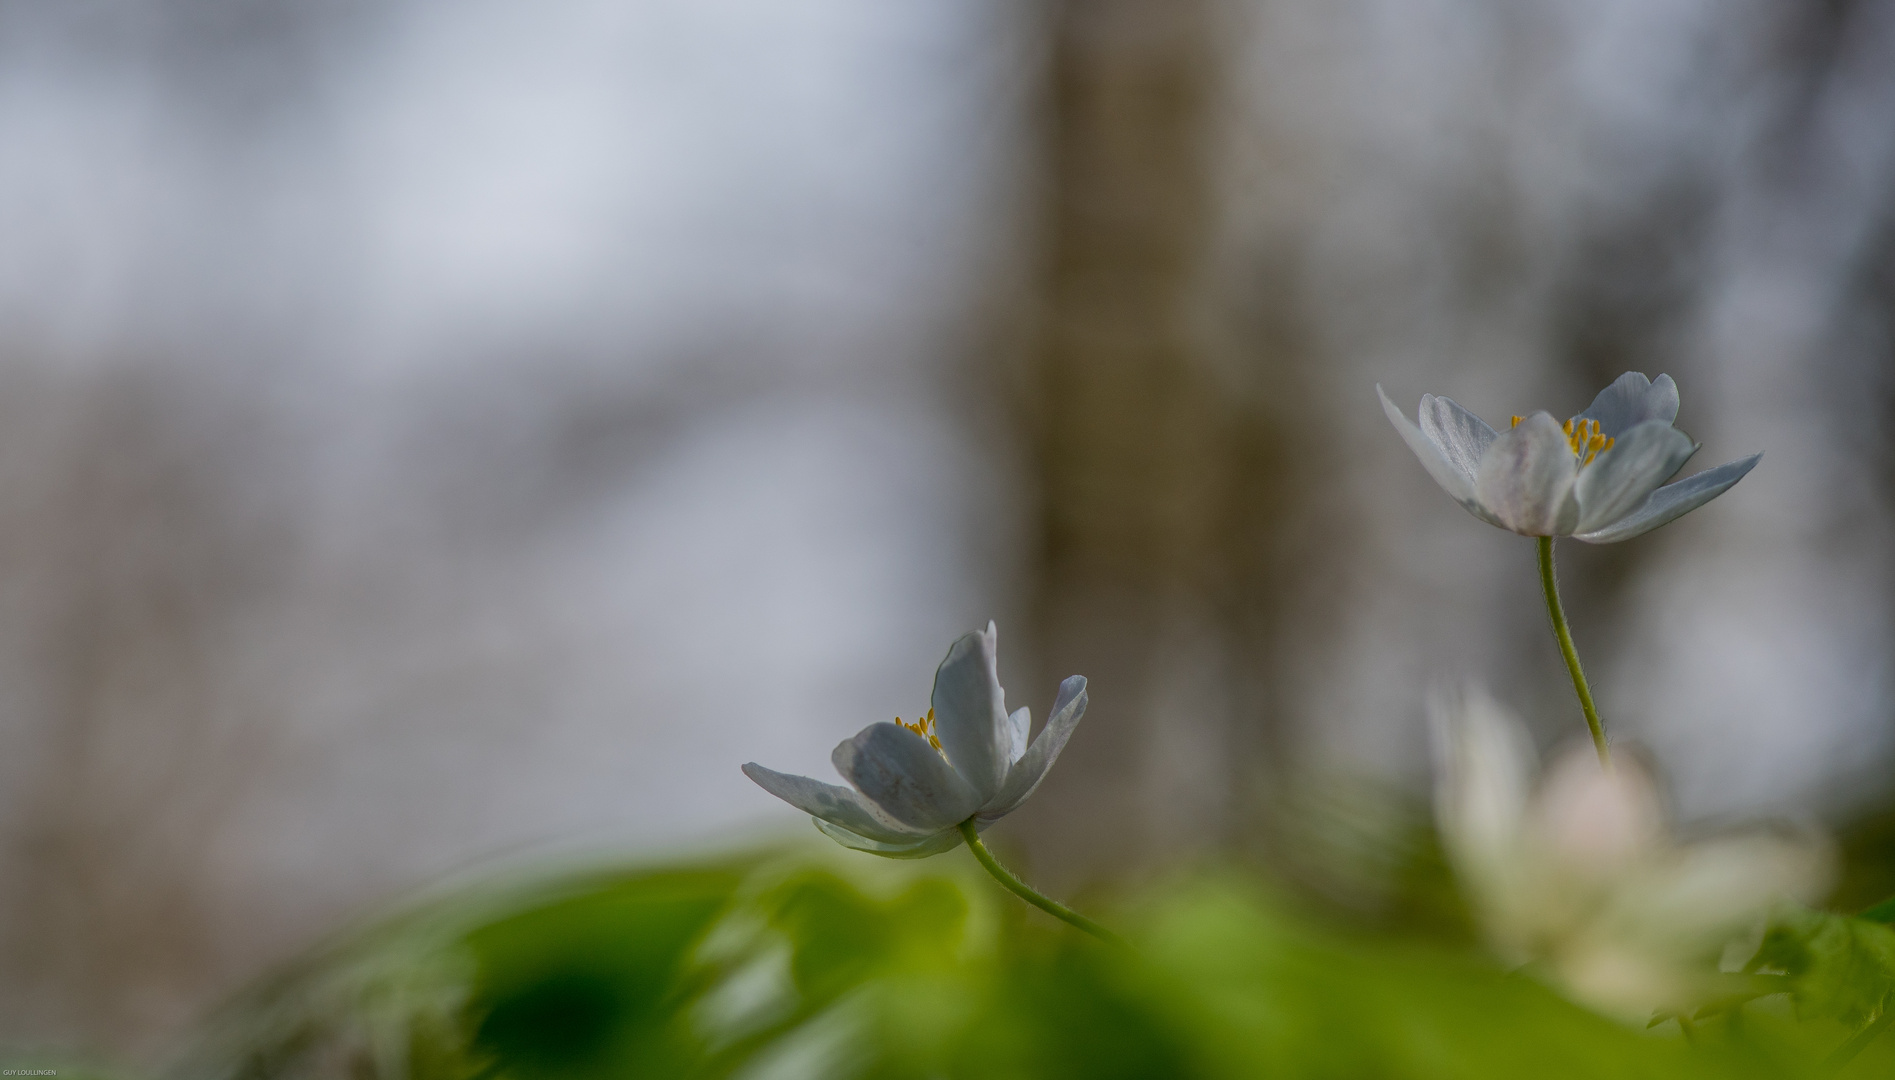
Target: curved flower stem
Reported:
[(1550, 586), (1025, 892)]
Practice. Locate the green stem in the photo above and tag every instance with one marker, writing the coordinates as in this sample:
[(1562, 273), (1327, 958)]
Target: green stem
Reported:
[(1025, 892), (1689, 1029), (1847, 1052), (1550, 585)]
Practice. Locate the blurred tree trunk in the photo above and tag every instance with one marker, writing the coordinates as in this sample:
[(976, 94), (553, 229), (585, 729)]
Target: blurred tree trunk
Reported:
[(1149, 466)]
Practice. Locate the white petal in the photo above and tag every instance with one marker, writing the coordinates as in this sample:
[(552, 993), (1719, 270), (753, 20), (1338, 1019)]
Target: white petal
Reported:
[(1026, 774), (831, 803), (1672, 501), (1716, 885), (900, 773), (1618, 480), (970, 714), (1461, 436), (1526, 479), (1432, 457), (1631, 400), (1594, 825), (933, 844), (1484, 765), (1019, 725)]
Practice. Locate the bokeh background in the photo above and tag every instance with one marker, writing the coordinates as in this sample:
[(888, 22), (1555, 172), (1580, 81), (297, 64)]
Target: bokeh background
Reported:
[(432, 432)]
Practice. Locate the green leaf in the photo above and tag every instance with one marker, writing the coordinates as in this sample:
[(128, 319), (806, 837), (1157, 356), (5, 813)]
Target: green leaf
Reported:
[(1266, 993), (594, 984), (1841, 968), (843, 937), (1883, 912)]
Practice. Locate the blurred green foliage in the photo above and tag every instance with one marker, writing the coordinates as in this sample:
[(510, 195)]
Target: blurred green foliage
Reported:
[(813, 964), (596, 984), (1841, 968)]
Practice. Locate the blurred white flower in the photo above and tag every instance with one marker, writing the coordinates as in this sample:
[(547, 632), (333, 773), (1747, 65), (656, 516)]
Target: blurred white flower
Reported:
[(915, 783), (1596, 477), (1579, 877)]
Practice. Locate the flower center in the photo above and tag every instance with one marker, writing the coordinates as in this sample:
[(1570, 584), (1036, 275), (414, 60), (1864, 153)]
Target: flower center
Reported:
[(1584, 437), (924, 727)]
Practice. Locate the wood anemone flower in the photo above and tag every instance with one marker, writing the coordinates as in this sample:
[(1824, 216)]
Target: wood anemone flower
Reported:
[(914, 784), (1595, 478), (1576, 871)]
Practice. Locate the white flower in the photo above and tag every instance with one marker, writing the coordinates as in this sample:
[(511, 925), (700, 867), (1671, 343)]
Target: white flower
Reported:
[(1596, 477), (915, 783), (1580, 878)]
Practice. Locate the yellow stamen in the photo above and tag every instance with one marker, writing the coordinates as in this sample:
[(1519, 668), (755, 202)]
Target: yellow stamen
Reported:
[(1584, 436), (1587, 441), (924, 727)]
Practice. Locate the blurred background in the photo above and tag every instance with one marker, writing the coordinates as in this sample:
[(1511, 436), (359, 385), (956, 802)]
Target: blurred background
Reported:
[(432, 432)]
